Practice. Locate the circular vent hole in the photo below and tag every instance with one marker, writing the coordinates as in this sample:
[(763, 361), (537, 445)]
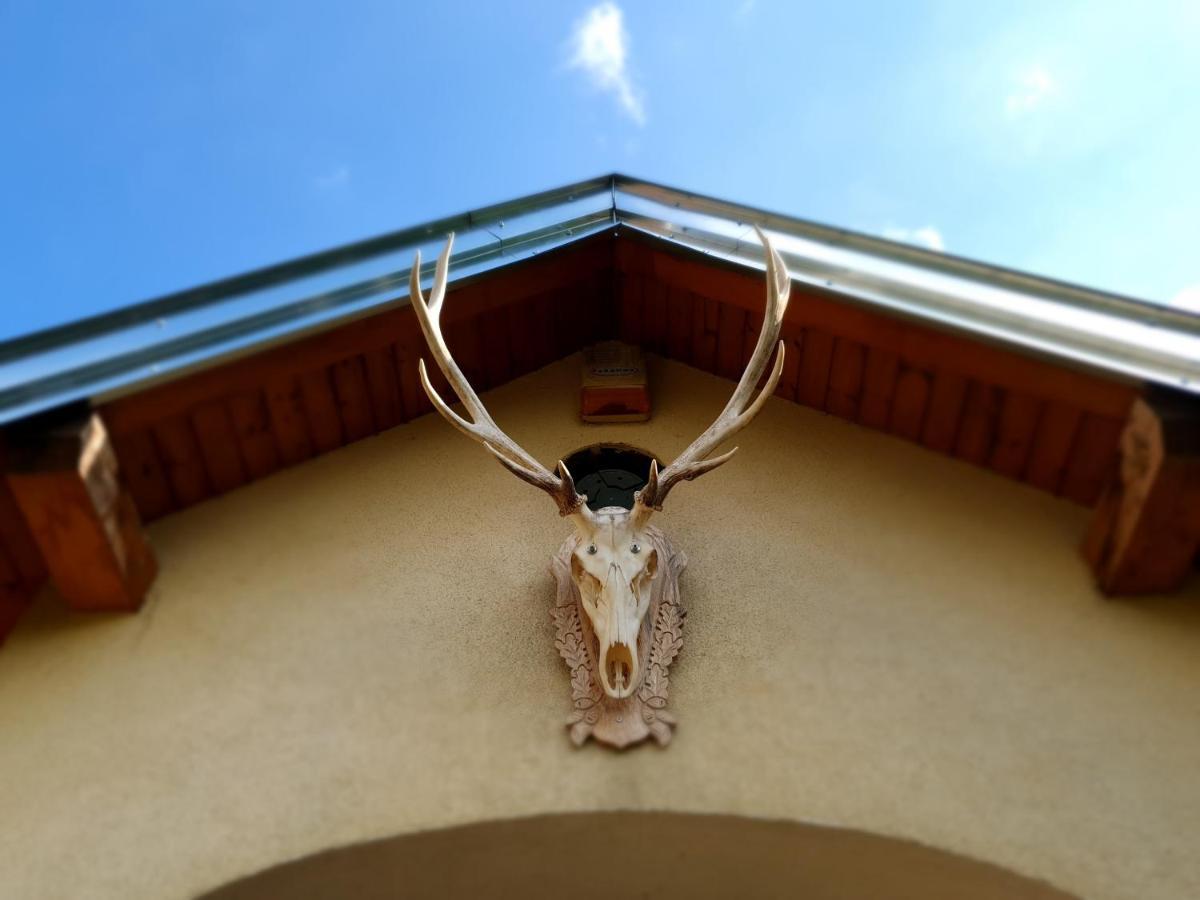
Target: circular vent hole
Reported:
[(610, 474)]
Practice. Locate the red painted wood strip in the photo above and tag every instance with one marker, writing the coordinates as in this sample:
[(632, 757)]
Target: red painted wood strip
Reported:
[(908, 408), (16, 537), (679, 325), (945, 411), (321, 410), (493, 335), (631, 310), (407, 351), (879, 386), (466, 347), (814, 368), (289, 420), (354, 403), (570, 323), (732, 322), (751, 329), (1052, 446), (143, 472), (845, 379), (599, 307), (15, 595), (977, 431), (218, 446), (918, 345), (544, 340), (1014, 440), (1093, 454), (383, 387), (252, 426), (705, 326), (181, 457), (655, 323), (521, 337), (789, 379)]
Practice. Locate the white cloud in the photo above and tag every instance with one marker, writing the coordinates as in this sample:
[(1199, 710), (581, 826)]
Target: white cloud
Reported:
[(600, 47), (928, 237), (334, 178), (745, 8), (1188, 299), (1033, 87)]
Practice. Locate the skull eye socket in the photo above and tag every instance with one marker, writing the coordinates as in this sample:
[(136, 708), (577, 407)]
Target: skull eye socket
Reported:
[(635, 547), (591, 549)]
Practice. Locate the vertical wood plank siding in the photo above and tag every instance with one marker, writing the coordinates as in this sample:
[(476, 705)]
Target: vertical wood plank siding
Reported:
[(1053, 427), (204, 434)]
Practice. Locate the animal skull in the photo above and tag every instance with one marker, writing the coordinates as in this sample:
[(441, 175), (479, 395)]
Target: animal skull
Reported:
[(614, 566), (614, 563)]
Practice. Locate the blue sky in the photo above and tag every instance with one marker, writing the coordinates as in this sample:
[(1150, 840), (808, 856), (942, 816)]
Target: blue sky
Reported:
[(152, 146)]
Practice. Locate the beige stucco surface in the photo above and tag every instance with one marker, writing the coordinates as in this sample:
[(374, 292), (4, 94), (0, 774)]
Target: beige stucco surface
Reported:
[(878, 637)]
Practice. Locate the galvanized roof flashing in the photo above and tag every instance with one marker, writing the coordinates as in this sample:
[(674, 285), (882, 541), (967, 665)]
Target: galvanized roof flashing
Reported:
[(115, 353)]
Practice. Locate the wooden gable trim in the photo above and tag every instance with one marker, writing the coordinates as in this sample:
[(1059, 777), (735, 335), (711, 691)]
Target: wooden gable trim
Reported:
[(1051, 426)]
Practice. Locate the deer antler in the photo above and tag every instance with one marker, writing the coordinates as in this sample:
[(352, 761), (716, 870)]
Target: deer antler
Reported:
[(481, 428), (742, 407)]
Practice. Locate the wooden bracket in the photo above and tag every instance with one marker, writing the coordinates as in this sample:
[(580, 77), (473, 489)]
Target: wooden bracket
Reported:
[(63, 476), (1145, 534)]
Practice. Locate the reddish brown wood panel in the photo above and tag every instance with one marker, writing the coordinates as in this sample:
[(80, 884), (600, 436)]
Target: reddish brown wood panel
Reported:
[(1093, 456), (816, 360), (1052, 445), (353, 401), (218, 447), (679, 325), (789, 379), (978, 427), (918, 345), (252, 429), (407, 351), (321, 410), (18, 542), (81, 517), (1014, 439), (545, 339), (14, 597), (144, 473), (630, 307), (522, 337), (751, 329), (383, 385), (908, 406), (706, 325), (945, 411), (654, 337), (497, 357), (289, 420), (879, 388), (182, 461), (731, 324), (1145, 533), (846, 379)]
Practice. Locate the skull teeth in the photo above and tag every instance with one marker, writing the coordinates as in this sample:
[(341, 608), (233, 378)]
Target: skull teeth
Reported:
[(619, 667)]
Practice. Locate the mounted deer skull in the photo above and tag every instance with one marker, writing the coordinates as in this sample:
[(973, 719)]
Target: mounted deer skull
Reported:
[(620, 570)]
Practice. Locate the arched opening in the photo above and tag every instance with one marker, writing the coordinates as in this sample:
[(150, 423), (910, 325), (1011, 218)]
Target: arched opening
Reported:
[(610, 474), (632, 854)]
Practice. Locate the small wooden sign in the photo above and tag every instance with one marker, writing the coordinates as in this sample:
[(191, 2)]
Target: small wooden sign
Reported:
[(614, 384)]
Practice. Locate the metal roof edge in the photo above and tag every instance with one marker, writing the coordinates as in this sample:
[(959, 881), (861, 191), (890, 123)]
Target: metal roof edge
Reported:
[(58, 365)]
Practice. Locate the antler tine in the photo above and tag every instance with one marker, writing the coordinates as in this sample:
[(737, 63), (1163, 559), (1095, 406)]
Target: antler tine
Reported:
[(743, 405), (481, 427)]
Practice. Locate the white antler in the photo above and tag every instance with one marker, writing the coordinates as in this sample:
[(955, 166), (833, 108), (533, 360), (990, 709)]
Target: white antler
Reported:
[(481, 427), (742, 407)]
